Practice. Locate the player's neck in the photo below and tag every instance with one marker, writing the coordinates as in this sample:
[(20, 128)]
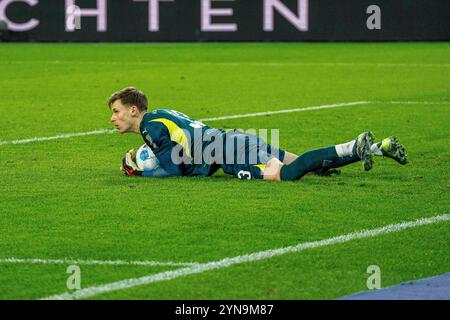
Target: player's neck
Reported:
[(137, 124)]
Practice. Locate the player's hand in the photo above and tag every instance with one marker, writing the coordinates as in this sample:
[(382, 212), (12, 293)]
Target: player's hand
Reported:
[(129, 166)]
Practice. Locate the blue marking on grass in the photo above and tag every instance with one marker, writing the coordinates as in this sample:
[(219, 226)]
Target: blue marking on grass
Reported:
[(434, 288)]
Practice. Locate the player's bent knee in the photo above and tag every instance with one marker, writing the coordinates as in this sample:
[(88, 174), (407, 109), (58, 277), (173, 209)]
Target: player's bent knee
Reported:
[(289, 157), (272, 170)]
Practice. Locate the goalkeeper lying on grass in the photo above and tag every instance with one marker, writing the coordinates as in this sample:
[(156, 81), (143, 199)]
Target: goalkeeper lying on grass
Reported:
[(185, 147)]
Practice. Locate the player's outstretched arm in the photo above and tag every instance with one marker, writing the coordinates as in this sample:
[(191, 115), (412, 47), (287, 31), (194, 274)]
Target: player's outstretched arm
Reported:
[(130, 168), (166, 164), (157, 172)]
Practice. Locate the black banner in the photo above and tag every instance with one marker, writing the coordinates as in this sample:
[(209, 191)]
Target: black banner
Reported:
[(222, 309), (225, 20)]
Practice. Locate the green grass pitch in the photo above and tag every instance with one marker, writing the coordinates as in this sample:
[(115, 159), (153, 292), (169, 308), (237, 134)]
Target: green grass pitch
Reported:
[(66, 199)]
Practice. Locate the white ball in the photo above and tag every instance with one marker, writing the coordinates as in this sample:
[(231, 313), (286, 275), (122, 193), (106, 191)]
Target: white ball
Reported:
[(146, 159)]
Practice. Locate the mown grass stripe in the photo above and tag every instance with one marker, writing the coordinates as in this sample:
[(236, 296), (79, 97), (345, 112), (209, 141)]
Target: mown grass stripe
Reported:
[(256, 256), (237, 116)]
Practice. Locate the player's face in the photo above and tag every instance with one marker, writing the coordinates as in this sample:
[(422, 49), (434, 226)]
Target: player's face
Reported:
[(122, 117)]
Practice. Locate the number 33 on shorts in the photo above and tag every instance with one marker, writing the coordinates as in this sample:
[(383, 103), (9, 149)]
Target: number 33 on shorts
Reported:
[(244, 175)]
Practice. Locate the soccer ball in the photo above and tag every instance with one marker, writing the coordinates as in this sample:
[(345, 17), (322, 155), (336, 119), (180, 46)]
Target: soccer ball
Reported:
[(146, 159)]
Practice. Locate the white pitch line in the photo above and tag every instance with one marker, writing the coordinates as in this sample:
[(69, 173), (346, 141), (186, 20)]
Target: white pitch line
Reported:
[(256, 256), (267, 113), (61, 136), (414, 102), (96, 262), (238, 116)]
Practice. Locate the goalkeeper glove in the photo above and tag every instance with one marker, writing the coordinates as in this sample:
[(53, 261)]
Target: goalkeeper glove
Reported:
[(129, 166)]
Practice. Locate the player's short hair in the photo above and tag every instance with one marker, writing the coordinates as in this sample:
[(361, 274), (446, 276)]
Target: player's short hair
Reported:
[(130, 96)]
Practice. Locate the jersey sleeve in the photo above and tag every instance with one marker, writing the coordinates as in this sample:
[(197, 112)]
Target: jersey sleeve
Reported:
[(157, 172), (158, 138)]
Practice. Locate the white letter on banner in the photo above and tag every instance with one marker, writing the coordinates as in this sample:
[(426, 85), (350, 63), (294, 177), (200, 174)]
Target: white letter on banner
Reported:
[(27, 26), (300, 21), (100, 13), (153, 14), (208, 12)]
